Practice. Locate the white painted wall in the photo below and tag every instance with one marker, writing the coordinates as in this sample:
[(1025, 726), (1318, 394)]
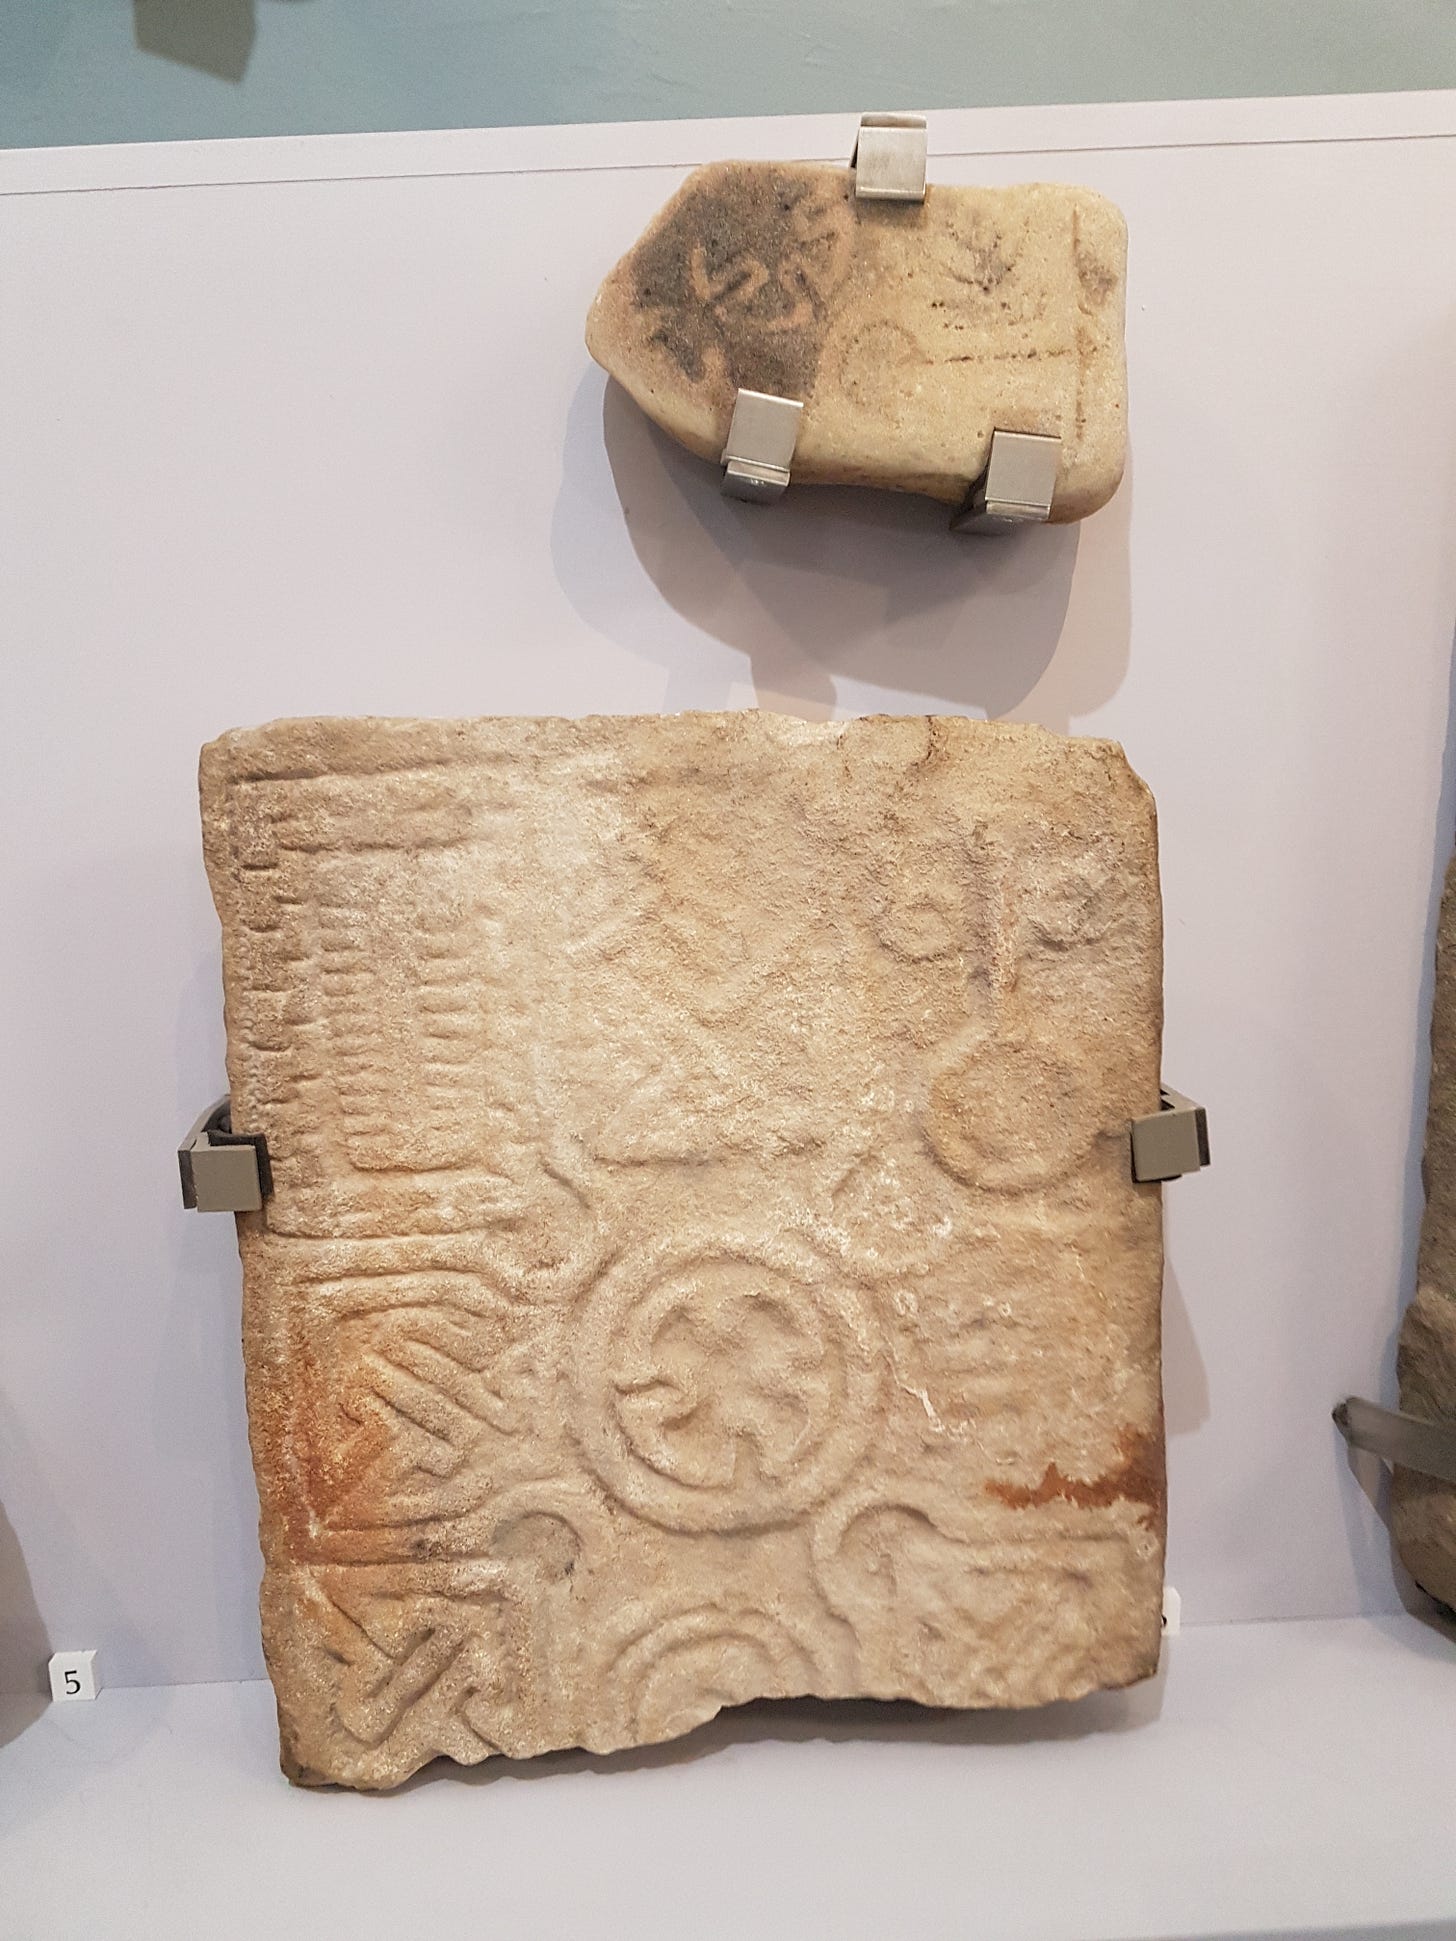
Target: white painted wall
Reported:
[(318, 434)]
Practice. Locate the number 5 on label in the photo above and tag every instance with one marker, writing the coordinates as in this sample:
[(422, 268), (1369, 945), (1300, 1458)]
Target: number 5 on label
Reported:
[(74, 1674)]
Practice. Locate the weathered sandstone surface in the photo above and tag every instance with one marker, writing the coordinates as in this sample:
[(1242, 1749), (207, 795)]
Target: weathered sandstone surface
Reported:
[(909, 331), (703, 1262)]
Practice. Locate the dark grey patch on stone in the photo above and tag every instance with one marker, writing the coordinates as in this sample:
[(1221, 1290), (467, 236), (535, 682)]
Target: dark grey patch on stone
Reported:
[(747, 264)]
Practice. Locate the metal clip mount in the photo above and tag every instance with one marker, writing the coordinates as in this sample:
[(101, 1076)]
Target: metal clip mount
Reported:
[(1170, 1142), (223, 1171), (1017, 485), (760, 446), (1429, 1447), (889, 158)]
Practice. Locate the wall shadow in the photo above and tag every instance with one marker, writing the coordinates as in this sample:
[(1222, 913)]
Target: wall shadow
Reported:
[(214, 36), (71, 1571), (835, 581), (145, 1294), (25, 1646), (199, 1397), (146, 1347), (1185, 1376)]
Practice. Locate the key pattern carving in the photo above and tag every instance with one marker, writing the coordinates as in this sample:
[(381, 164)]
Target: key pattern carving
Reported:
[(438, 1664)]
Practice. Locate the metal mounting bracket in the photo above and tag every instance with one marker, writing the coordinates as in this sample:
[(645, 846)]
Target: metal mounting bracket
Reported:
[(760, 446), (1170, 1142), (223, 1171), (1017, 485), (1407, 1440), (889, 158)]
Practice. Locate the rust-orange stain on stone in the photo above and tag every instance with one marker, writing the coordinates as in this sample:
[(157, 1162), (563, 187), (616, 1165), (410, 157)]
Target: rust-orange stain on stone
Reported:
[(1140, 1477)]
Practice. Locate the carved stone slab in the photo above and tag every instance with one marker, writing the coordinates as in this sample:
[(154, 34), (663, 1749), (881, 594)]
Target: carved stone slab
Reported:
[(1423, 1507), (910, 331), (703, 1262)]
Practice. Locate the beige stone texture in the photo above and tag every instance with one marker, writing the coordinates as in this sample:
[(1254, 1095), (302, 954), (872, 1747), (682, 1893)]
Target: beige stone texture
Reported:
[(1424, 1508), (703, 1262), (910, 331)]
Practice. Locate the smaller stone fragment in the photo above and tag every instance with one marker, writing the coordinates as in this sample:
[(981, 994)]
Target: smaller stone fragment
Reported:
[(1424, 1507), (909, 331)]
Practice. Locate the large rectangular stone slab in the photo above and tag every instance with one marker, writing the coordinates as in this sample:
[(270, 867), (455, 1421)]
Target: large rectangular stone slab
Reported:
[(703, 1261)]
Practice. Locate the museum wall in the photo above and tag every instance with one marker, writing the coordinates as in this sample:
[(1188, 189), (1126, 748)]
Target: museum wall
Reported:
[(74, 71), (471, 520)]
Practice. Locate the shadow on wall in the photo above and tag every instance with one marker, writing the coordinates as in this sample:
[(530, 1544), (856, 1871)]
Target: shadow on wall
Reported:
[(24, 1646), (833, 582), (1185, 1377), (214, 36), (75, 1581)]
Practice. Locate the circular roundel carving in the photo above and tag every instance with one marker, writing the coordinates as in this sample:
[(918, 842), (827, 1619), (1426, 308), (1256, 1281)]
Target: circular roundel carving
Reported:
[(689, 1667), (1010, 1117), (726, 1388)]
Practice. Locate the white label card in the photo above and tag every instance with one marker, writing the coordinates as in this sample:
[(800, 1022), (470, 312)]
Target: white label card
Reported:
[(74, 1674)]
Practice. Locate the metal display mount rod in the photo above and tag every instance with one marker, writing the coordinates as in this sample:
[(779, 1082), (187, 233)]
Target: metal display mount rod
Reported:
[(1020, 475), (1171, 1141), (223, 1171), (1404, 1440)]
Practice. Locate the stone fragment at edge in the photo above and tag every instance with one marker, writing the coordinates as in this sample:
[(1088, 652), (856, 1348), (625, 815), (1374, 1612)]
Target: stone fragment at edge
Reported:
[(1423, 1508)]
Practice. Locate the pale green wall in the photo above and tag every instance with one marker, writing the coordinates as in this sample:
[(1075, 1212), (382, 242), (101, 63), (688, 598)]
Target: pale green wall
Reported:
[(86, 70)]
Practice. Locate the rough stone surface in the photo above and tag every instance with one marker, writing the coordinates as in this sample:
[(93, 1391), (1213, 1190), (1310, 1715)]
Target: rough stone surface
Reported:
[(910, 331), (704, 1262), (1424, 1508)]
